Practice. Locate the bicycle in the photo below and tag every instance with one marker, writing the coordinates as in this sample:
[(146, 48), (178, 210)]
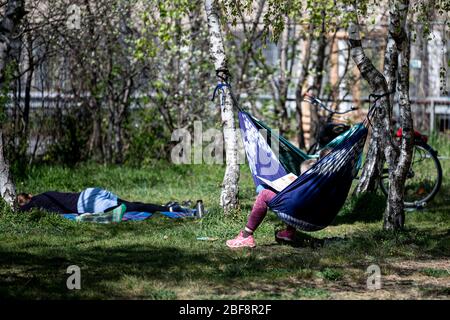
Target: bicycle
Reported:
[(329, 129), (424, 178)]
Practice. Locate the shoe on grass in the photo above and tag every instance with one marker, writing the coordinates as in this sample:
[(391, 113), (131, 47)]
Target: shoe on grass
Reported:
[(176, 208), (179, 209), (241, 242), (171, 204), (286, 235)]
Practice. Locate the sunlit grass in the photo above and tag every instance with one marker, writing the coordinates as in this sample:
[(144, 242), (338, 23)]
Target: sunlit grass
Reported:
[(161, 258)]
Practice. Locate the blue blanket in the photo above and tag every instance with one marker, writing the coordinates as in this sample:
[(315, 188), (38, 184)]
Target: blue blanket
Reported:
[(139, 216)]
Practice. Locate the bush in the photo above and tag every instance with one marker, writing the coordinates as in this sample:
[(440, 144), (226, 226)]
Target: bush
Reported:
[(70, 147), (148, 138)]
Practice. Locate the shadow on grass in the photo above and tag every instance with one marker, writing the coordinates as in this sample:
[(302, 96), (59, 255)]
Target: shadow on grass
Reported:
[(306, 240), (367, 207), (130, 270)]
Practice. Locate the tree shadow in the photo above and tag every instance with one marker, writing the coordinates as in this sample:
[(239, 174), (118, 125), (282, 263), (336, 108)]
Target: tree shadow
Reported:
[(305, 240), (367, 207), (41, 272)]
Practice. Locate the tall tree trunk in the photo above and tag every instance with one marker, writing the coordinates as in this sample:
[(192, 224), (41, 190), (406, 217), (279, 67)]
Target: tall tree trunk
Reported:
[(96, 139), (394, 214), (109, 145), (317, 82), (283, 82), (373, 165), (93, 87), (25, 134), (7, 187), (299, 90), (119, 120), (230, 187), (14, 12), (380, 121)]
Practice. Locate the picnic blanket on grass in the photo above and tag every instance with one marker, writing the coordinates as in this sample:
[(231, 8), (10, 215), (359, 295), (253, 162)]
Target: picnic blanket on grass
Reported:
[(140, 216)]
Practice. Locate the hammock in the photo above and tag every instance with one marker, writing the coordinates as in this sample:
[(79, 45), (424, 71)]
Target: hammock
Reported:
[(314, 199)]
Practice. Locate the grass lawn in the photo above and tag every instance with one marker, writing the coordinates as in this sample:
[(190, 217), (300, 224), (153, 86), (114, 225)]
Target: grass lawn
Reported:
[(161, 258)]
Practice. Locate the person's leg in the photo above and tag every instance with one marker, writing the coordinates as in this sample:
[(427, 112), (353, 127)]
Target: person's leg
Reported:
[(259, 211), (143, 207), (95, 200)]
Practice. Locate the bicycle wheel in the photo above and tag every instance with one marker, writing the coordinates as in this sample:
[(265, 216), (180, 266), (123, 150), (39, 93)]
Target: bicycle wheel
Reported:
[(423, 179)]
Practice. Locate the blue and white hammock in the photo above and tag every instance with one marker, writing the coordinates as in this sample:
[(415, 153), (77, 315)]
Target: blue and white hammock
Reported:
[(314, 199)]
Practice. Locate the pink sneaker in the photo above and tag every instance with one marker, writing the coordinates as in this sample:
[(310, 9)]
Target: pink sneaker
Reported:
[(286, 235), (240, 241)]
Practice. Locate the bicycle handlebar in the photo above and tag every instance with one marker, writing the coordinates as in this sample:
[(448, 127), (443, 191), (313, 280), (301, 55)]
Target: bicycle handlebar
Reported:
[(316, 101)]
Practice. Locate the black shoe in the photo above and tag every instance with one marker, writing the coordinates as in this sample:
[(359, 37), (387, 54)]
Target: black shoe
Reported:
[(176, 208), (171, 203), (187, 203)]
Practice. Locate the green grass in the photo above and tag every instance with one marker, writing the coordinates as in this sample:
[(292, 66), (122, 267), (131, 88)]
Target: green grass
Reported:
[(160, 258), (436, 273)]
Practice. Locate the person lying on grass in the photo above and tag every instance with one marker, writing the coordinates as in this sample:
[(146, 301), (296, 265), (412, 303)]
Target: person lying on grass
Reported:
[(245, 237), (90, 200)]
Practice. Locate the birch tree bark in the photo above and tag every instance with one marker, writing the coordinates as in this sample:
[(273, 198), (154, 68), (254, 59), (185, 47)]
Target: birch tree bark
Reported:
[(398, 167), (230, 188), (7, 187), (13, 14), (394, 215), (375, 158)]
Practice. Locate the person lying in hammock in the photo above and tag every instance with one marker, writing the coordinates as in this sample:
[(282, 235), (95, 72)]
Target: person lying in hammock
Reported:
[(245, 237), (90, 200)]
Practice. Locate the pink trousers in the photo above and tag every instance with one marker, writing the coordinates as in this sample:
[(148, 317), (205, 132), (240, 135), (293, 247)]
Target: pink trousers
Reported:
[(259, 210)]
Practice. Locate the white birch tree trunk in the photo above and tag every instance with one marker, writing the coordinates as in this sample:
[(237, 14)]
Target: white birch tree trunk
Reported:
[(13, 14), (394, 216), (398, 164), (230, 188), (373, 165), (7, 188)]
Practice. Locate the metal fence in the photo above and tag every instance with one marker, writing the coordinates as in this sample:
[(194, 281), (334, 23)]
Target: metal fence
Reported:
[(430, 115)]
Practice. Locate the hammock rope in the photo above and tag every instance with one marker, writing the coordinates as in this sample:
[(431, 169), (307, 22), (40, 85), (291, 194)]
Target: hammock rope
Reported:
[(224, 83)]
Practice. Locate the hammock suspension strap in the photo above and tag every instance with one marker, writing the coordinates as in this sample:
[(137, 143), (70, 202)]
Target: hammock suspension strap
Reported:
[(224, 76)]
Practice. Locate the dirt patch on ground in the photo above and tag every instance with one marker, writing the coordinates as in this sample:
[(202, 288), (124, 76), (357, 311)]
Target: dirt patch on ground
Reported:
[(442, 264), (405, 279), (402, 279)]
